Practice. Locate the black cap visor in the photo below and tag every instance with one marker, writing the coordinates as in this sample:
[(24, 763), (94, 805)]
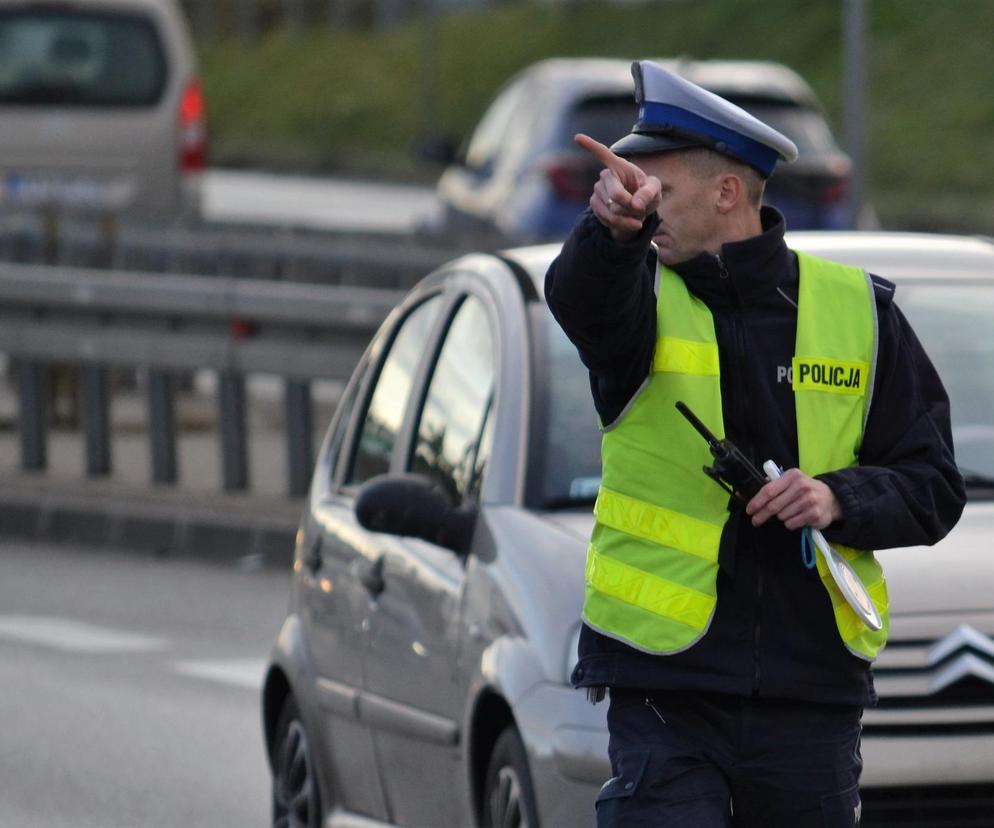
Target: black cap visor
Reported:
[(646, 143)]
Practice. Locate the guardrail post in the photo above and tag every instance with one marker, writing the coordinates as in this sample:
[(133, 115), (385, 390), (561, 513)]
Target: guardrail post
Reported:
[(234, 448), (32, 415), (299, 436), (94, 389), (162, 426)]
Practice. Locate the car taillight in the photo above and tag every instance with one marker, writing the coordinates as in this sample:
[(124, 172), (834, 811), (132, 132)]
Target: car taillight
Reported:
[(192, 129), (572, 178), (836, 191)]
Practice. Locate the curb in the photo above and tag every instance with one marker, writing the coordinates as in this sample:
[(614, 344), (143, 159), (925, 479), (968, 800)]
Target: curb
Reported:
[(251, 531)]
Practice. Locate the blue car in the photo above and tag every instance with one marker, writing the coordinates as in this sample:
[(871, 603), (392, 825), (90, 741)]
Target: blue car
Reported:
[(520, 179)]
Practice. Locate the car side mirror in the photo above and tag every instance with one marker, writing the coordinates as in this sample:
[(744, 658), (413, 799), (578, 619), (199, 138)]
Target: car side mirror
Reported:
[(411, 505)]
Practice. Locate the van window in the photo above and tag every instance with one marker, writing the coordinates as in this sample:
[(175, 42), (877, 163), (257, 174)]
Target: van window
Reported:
[(78, 58)]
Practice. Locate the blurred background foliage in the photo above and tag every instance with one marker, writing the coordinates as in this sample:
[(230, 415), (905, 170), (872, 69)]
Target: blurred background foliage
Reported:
[(348, 87)]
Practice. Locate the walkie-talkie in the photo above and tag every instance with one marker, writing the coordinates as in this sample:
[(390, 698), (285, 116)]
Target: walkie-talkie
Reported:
[(732, 470)]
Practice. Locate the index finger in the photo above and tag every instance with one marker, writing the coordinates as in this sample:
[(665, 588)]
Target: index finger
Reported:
[(602, 153)]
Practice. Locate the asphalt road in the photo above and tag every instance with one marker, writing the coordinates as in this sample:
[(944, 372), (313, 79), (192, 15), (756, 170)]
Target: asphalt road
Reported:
[(130, 689)]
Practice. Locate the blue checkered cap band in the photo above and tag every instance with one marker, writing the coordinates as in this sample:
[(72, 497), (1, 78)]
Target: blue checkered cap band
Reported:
[(678, 112)]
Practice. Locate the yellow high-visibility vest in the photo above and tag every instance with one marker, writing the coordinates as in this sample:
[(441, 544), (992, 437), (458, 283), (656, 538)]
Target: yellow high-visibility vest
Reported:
[(652, 563)]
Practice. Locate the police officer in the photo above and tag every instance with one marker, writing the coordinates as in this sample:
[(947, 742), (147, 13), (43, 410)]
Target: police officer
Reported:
[(736, 674)]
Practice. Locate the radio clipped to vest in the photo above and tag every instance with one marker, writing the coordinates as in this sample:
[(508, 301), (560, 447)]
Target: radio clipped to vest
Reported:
[(731, 470), (736, 474)]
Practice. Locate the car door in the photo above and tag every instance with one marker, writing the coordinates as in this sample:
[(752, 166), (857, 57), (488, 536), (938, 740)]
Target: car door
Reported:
[(411, 696), (337, 555)]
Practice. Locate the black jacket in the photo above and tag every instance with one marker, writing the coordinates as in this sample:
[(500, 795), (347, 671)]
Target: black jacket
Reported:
[(773, 633)]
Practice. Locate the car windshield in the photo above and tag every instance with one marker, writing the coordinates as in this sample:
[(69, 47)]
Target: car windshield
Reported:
[(806, 127), (953, 322), (569, 443), (75, 58)]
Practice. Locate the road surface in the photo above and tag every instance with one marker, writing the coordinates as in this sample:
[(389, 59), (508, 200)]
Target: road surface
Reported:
[(131, 689)]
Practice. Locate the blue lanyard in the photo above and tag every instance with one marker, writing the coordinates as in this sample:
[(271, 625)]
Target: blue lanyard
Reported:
[(807, 548)]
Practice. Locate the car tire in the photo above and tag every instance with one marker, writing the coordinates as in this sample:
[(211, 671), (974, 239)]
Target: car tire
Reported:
[(509, 798), (296, 798)]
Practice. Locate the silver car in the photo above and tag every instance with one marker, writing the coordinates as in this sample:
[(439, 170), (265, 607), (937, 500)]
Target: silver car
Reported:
[(101, 107), (421, 675)]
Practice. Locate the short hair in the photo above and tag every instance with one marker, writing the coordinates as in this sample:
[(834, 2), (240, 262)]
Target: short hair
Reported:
[(707, 163)]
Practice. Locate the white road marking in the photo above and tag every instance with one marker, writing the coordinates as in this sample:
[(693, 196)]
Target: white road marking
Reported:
[(73, 636), (237, 672)]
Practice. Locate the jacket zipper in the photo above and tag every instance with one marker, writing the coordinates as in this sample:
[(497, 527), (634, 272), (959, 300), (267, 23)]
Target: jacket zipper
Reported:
[(743, 409), (740, 415), (743, 396), (755, 633), (722, 270)]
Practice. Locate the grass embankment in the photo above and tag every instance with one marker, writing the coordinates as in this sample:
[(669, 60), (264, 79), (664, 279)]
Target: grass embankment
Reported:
[(354, 102)]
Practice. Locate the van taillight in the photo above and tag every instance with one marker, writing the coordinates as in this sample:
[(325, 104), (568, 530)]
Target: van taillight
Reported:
[(192, 129)]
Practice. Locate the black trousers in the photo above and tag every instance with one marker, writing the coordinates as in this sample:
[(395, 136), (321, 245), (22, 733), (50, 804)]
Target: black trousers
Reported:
[(705, 760)]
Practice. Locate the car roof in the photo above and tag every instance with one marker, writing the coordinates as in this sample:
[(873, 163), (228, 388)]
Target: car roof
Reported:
[(743, 78), (904, 256), (897, 256)]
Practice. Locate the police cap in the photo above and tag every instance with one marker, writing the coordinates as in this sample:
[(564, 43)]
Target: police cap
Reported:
[(676, 114)]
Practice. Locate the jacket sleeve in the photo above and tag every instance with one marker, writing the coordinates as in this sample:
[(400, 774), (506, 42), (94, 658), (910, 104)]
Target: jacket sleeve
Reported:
[(602, 295), (907, 490)]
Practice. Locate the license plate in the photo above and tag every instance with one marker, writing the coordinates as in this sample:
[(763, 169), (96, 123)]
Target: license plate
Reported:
[(35, 190)]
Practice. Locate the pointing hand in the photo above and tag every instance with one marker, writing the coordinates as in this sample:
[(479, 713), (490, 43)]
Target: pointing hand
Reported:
[(624, 195)]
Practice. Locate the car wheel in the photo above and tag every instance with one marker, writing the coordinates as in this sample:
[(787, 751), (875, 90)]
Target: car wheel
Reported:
[(296, 800), (509, 801)]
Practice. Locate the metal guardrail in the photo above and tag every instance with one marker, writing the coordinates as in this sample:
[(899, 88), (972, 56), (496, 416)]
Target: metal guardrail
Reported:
[(169, 324), (283, 254)]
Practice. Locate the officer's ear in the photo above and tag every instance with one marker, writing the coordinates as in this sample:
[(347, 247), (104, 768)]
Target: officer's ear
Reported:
[(731, 192)]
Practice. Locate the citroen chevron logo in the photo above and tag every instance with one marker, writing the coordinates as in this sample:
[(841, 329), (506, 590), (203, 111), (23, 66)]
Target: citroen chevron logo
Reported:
[(967, 652)]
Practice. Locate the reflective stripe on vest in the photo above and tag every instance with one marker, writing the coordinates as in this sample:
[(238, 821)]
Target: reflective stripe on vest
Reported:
[(652, 564)]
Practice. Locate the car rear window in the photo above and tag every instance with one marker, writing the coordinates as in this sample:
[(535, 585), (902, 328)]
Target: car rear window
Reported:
[(78, 58), (608, 118), (806, 127), (604, 118)]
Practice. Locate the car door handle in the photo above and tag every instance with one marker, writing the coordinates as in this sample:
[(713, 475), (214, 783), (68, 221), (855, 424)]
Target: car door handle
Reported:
[(372, 577), (314, 560)]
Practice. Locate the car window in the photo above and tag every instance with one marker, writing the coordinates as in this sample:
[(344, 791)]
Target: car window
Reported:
[(605, 118), (489, 136), (68, 57), (453, 437), (806, 127), (385, 412), (343, 415)]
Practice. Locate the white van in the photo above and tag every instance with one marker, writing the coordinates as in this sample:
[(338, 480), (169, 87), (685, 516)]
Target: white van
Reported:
[(101, 108)]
